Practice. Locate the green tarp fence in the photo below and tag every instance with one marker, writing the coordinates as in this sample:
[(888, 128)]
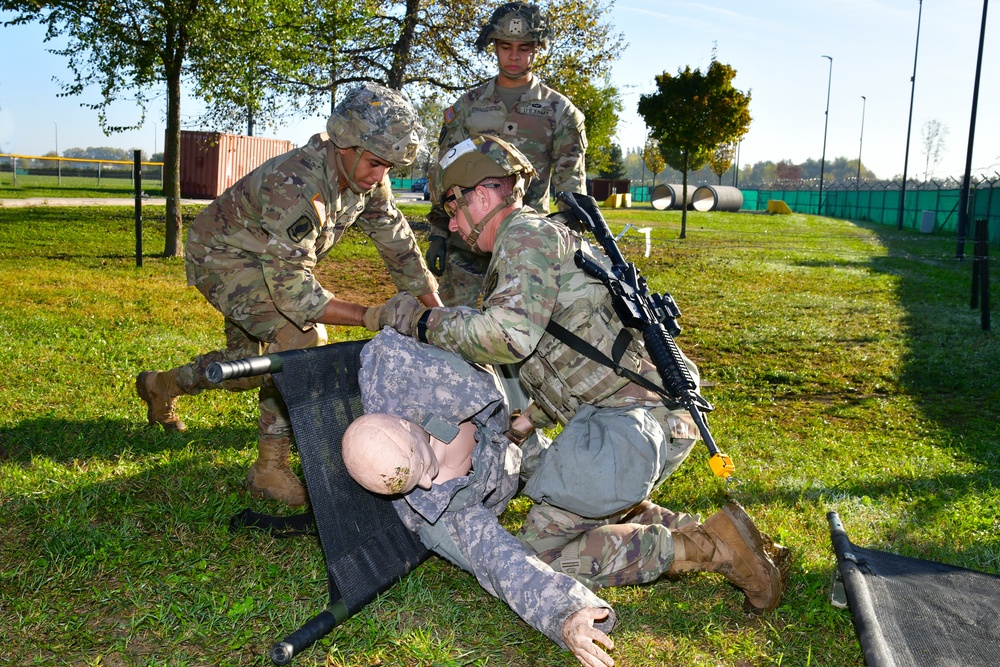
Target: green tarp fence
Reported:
[(880, 204)]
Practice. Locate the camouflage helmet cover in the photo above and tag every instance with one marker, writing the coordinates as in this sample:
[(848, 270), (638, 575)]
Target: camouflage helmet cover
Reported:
[(515, 22), (483, 156), (380, 120)]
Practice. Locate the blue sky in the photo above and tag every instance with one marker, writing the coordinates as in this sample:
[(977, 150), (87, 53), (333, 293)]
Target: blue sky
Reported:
[(776, 46)]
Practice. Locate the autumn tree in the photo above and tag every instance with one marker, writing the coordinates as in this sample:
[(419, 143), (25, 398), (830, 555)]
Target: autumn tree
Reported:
[(722, 159), (786, 171), (692, 113), (653, 159)]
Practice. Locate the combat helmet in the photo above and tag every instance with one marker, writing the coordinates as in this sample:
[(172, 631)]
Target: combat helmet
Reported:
[(379, 120), (515, 22), (470, 162)]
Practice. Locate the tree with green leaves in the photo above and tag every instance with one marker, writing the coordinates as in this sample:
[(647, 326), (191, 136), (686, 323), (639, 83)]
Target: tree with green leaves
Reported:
[(722, 159), (129, 48), (424, 47), (616, 165), (692, 113), (653, 159)]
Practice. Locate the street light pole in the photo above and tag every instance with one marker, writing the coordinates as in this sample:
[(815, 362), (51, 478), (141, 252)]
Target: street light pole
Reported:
[(58, 161), (909, 123), (864, 102), (826, 124), (963, 200), (861, 141)]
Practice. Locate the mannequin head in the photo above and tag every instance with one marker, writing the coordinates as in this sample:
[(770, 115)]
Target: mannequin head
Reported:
[(390, 455)]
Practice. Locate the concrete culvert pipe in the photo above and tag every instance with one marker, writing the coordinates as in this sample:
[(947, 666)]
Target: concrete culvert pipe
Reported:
[(717, 198), (668, 196)]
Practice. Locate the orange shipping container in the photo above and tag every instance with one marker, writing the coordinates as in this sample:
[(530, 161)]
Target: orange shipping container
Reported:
[(213, 161)]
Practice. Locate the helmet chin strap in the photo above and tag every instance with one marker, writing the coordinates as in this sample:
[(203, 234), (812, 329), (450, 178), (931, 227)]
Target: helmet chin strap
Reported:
[(349, 173), (478, 227)]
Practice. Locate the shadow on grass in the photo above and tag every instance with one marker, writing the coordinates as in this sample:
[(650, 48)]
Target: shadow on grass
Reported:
[(64, 441)]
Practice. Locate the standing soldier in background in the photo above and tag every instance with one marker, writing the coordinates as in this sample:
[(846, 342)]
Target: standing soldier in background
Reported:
[(543, 124), (252, 251)]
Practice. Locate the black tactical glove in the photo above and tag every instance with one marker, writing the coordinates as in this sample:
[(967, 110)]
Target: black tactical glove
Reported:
[(436, 252)]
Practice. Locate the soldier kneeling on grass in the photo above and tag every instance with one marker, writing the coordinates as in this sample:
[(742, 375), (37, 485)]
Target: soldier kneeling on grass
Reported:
[(252, 251), (592, 519)]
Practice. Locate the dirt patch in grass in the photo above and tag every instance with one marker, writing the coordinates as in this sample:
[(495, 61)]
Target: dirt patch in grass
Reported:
[(358, 279)]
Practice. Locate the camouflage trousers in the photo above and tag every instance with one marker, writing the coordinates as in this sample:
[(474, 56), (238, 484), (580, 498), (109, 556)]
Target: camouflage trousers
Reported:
[(632, 547), (462, 280), (255, 329)]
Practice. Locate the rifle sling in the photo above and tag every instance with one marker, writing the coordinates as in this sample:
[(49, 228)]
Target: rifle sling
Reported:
[(578, 344)]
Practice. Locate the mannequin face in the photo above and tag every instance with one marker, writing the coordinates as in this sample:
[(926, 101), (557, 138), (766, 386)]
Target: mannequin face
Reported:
[(514, 60), (390, 455), (424, 464)]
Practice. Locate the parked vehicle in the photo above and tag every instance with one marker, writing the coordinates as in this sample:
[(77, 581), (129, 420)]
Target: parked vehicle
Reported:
[(427, 190), (418, 185)]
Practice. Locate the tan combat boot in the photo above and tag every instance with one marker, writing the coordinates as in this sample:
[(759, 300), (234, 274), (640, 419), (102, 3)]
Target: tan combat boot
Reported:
[(271, 477), (160, 391), (730, 544)]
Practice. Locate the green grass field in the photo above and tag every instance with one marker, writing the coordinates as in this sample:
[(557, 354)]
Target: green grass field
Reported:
[(847, 369), (32, 186)]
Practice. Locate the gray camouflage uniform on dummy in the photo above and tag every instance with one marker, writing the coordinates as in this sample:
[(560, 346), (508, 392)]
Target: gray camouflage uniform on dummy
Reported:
[(619, 442), (543, 124), (252, 252), (458, 519)]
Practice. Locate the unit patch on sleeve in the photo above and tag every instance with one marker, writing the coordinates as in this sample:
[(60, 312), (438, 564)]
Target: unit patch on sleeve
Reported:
[(300, 229), (449, 115)]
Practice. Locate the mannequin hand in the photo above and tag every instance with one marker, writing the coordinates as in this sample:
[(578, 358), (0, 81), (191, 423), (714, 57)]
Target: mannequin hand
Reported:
[(401, 312), (436, 253), (581, 637), (372, 316)]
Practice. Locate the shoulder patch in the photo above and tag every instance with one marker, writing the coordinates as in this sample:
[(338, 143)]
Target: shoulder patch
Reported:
[(449, 115), (300, 229)]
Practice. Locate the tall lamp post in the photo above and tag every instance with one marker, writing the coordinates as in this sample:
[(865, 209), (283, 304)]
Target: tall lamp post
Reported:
[(963, 200), (861, 141), (58, 161), (909, 123), (826, 124)]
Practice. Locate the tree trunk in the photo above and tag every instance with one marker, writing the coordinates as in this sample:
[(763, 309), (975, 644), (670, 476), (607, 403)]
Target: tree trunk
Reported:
[(172, 166), (174, 53), (404, 45)]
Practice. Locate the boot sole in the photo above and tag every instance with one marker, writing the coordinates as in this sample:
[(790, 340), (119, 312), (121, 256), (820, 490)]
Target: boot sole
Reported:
[(745, 527)]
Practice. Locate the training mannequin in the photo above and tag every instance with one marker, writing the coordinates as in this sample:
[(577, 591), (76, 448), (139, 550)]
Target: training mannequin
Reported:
[(432, 437), (390, 455)]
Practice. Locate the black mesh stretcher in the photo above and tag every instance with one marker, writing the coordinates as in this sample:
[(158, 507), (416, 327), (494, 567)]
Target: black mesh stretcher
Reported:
[(916, 613), (366, 546)]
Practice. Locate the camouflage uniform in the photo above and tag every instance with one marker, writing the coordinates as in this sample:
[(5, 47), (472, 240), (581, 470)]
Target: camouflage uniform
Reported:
[(252, 251), (531, 279), (458, 519), (546, 127)]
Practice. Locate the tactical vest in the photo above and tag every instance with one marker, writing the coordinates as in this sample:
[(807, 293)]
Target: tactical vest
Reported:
[(561, 379)]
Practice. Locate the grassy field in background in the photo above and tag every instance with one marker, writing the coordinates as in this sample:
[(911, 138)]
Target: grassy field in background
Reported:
[(847, 369), (31, 186)]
